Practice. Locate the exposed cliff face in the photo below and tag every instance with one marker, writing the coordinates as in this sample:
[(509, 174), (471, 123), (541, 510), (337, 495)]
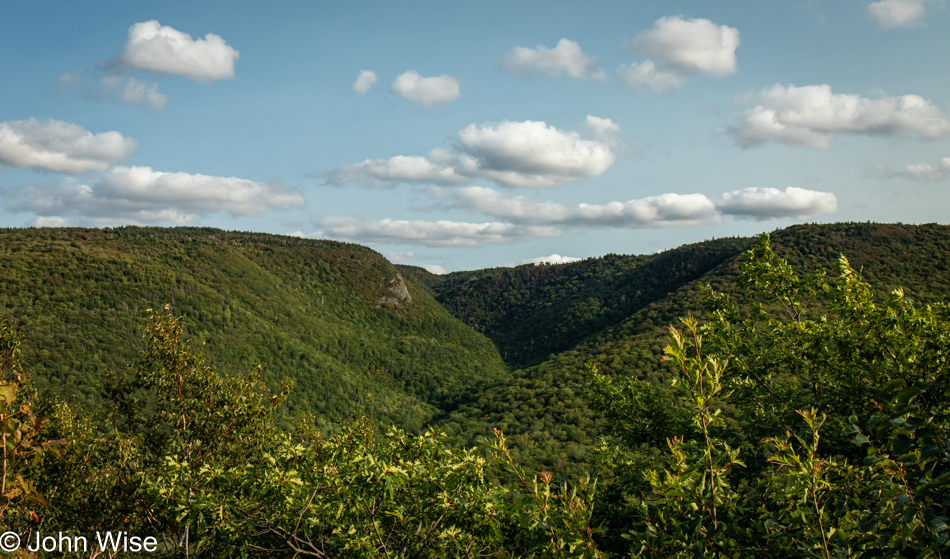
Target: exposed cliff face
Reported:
[(400, 293)]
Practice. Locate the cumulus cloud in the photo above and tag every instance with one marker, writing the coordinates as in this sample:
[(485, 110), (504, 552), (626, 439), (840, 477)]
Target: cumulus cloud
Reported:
[(812, 115), (601, 127), (435, 269), (365, 81), (527, 154), (921, 171), (646, 73), (677, 48), (768, 203), (897, 13), (429, 91), (553, 259), (142, 195), (401, 168), (430, 233), (162, 49), (131, 90), (565, 58), (653, 211), (61, 147), (690, 46), (532, 153)]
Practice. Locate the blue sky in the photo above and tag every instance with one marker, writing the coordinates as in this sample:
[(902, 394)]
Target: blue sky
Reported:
[(461, 136)]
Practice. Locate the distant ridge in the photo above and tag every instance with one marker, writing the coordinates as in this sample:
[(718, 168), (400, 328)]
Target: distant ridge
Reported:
[(614, 312)]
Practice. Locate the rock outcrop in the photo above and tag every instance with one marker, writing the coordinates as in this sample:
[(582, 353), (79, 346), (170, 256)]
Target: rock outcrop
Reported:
[(400, 294)]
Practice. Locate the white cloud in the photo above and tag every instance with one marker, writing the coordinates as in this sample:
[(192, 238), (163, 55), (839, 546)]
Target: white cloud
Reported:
[(139, 194), (565, 58), (162, 49), (50, 221), (409, 256), (811, 115), (430, 233), (517, 218), (60, 147), (553, 259), (677, 48), (533, 153), (921, 171), (653, 211), (646, 73), (664, 210), (426, 91), (131, 90), (767, 203), (528, 154), (401, 168), (435, 269), (301, 235), (897, 13), (690, 46), (603, 128), (365, 81)]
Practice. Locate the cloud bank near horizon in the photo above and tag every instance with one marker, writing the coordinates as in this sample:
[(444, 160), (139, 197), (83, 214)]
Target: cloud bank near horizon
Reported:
[(518, 218), (143, 195)]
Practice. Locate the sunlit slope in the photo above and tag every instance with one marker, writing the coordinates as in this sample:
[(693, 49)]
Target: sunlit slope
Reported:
[(334, 317)]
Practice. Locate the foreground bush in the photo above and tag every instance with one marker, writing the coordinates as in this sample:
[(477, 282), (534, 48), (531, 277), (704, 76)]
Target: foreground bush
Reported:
[(195, 459), (809, 421)]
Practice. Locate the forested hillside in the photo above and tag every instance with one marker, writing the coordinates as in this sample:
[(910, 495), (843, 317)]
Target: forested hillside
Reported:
[(532, 312), (328, 315), (544, 409), (803, 415), (337, 318)]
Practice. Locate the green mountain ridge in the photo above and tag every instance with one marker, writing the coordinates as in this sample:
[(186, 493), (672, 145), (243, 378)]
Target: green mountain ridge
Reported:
[(544, 408), (330, 315)]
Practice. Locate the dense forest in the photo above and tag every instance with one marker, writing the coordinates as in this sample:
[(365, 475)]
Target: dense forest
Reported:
[(293, 397), (336, 317), (544, 408)]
